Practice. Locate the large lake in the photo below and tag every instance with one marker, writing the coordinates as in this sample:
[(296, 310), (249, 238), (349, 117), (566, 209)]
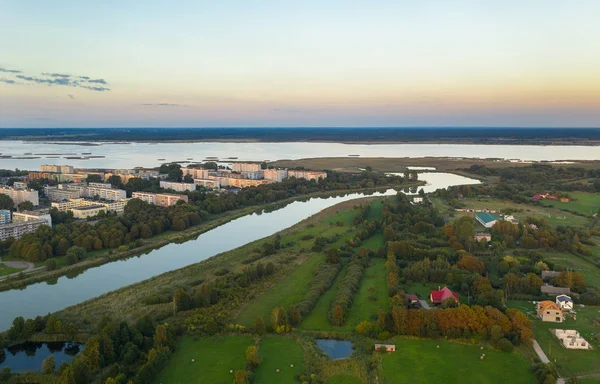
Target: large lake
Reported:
[(128, 155), (42, 298)]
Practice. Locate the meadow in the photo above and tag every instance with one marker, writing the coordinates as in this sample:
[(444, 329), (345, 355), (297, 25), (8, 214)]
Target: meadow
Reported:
[(278, 353), (581, 202), (214, 358), (420, 361), (570, 261)]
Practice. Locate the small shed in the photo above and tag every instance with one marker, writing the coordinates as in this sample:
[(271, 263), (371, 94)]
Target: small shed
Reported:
[(385, 347)]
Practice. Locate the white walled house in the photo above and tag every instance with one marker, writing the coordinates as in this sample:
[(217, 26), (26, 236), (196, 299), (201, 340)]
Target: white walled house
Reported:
[(565, 302)]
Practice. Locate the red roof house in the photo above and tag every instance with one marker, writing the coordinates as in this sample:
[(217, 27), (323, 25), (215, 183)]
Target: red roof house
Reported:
[(440, 295)]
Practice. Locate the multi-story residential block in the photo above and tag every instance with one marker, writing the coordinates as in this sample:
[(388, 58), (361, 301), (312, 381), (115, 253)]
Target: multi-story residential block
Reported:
[(148, 197), (275, 174), (100, 185), (308, 175), (168, 199), (21, 217), (256, 175), (90, 191), (56, 194), (208, 183), (87, 211), (20, 195), (196, 173), (40, 175), (245, 167), (4, 216), (243, 183), (19, 185), (57, 168), (72, 204), (178, 187), (161, 199)]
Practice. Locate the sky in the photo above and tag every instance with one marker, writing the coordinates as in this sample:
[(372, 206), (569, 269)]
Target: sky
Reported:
[(280, 63)]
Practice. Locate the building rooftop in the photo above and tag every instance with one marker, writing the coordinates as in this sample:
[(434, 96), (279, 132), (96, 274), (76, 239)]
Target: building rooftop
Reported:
[(88, 207), (487, 217)]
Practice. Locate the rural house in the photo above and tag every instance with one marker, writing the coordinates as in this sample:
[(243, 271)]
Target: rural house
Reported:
[(482, 237), (486, 219), (564, 302), (549, 311), (440, 295), (554, 291), (385, 347), (412, 299)]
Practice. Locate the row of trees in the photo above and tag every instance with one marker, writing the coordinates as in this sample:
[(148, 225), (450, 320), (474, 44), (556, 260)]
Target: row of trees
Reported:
[(348, 287)]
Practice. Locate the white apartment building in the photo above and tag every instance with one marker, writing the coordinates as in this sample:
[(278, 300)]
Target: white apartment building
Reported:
[(88, 211), (100, 185), (308, 175), (19, 185), (57, 168), (245, 167), (148, 197), (253, 175), (178, 187), (196, 173), (208, 183), (55, 194), (275, 174), (21, 217), (90, 191), (18, 229), (74, 204), (20, 195)]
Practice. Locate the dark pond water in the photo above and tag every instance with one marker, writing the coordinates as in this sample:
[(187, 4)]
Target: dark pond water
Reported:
[(52, 296), (336, 349), (29, 356)]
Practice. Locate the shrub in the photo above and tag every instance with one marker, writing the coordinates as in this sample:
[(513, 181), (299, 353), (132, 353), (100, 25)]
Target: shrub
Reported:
[(50, 264)]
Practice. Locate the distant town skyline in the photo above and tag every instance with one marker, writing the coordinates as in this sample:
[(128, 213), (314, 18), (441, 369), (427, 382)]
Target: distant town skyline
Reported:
[(299, 64)]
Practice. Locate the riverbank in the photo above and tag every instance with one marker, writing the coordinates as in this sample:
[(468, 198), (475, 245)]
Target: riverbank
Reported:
[(111, 255)]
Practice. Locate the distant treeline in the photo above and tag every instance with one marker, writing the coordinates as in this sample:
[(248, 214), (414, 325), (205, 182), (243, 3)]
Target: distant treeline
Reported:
[(372, 134)]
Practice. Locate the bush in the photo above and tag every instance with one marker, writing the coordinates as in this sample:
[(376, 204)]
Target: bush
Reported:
[(222, 272), (50, 264), (504, 345)]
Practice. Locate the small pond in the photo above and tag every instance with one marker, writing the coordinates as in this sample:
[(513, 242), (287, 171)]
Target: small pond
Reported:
[(29, 356), (336, 349)]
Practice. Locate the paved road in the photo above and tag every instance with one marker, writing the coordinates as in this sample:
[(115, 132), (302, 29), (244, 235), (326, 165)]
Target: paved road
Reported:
[(424, 304), (540, 352), (26, 267)]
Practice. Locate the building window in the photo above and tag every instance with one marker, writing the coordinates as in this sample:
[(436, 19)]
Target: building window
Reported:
[(558, 319)]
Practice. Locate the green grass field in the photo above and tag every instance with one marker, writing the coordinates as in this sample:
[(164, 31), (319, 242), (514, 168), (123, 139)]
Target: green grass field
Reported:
[(583, 202), (567, 260), (419, 361), (553, 216), (569, 362), (4, 270), (278, 353), (344, 379), (214, 356), (374, 242), (286, 292)]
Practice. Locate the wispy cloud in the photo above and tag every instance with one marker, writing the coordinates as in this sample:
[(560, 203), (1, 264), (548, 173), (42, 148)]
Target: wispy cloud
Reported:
[(164, 105), (58, 79), (72, 97), (10, 70)]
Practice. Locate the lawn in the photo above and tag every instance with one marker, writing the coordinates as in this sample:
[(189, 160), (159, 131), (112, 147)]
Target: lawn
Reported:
[(567, 260), (4, 270), (371, 296), (423, 290), (583, 202), (344, 379), (373, 243), (569, 362), (278, 353), (286, 292), (553, 216), (215, 357), (419, 361)]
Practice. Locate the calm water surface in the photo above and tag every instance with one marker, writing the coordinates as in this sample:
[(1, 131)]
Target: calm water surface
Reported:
[(29, 356), (128, 155), (42, 298), (336, 349)]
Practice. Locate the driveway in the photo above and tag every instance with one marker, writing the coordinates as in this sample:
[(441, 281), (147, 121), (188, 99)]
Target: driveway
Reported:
[(424, 304), (540, 352)]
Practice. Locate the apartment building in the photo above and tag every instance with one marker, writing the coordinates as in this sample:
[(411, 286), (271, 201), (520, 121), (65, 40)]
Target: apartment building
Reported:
[(245, 167), (19, 185), (208, 183), (256, 175), (88, 211), (56, 194), (243, 183), (148, 197), (20, 195), (178, 187), (4, 216), (91, 191), (73, 204), (21, 217), (168, 199), (57, 168), (40, 175), (277, 175), (124, 177), (308, 175), (196, 173)]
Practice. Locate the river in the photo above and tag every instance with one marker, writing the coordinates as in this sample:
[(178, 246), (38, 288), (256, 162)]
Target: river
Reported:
[(42, 298), (128, 155)]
